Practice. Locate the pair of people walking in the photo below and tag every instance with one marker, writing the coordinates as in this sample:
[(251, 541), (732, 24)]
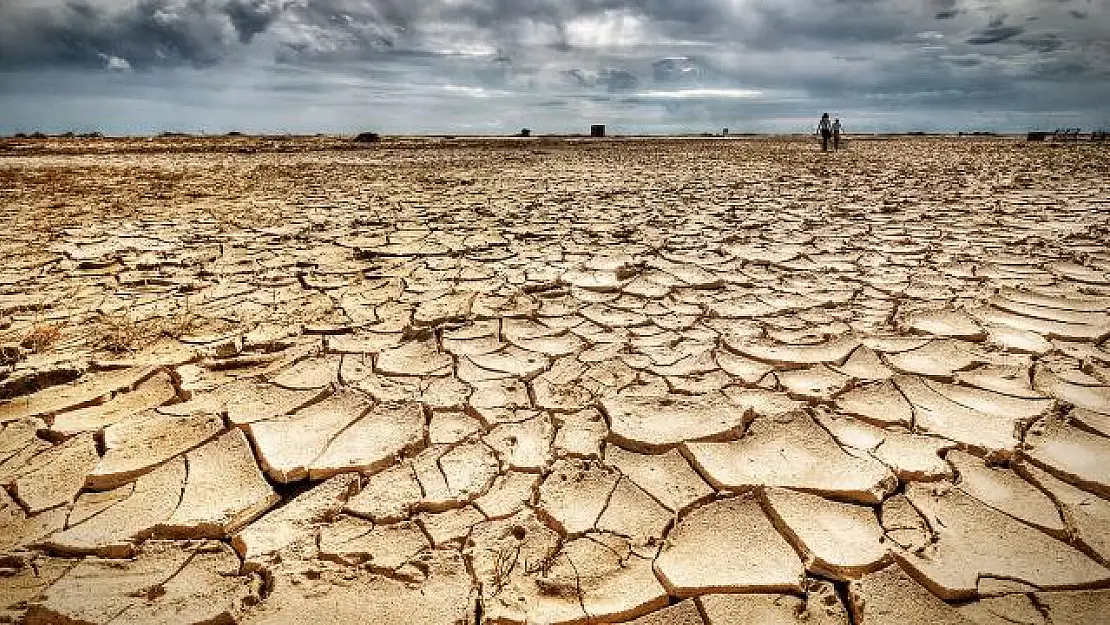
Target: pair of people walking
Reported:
[(829, 131)]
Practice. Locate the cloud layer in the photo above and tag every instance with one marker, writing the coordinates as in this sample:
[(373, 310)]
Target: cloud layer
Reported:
[(492, 65)]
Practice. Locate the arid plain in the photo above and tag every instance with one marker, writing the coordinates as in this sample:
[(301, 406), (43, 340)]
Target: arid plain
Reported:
[(554, 381)]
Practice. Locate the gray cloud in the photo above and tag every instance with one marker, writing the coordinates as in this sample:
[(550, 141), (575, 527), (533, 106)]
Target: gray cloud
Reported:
[(658, 63), (995, 32)]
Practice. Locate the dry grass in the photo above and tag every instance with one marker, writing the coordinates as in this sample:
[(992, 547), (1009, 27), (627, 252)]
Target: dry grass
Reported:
[(41, 337), (503, 564), (121, 333)]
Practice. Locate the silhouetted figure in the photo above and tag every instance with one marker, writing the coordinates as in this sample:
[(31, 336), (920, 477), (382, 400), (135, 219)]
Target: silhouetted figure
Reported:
[(824, 128), (836, 127)]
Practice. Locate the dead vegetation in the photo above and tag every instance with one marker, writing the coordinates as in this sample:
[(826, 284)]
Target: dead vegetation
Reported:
[(122, 333)]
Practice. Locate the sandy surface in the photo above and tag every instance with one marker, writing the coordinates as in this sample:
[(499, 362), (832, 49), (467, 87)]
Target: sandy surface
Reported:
[(297, 380)]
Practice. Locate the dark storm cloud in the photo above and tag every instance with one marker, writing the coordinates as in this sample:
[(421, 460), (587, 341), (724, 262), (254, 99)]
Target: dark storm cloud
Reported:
[(144, 32), (650, 61), (995, 32), (945, 9)]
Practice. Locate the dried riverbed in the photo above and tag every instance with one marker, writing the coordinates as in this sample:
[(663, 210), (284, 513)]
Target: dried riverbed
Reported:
[(685, 381)]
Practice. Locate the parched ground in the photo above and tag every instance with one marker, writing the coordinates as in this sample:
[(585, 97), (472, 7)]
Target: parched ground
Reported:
[(660, 381)]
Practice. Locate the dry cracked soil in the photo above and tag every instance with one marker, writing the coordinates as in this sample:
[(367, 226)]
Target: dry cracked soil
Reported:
[(551, 382)]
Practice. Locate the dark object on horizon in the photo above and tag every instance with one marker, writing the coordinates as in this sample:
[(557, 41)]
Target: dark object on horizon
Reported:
[(597, 130), (1100, 135), (916, 133), (20, 135), (368, 137), (525, 132), (724, 132), (1066, 134), (235, 133), (38, 135), (1036, 136)]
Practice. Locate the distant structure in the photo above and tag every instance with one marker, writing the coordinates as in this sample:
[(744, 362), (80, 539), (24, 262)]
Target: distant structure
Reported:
[(724, 132), (1036, 136), (368, 137), (597, 130), (1066, 134), (525, 132)]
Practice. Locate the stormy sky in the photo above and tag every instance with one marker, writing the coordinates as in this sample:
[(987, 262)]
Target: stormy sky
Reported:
[(495, 66)]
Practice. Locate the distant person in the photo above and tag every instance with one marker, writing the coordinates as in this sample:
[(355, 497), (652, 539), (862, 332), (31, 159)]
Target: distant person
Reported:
[(836, 128), (824, 128)]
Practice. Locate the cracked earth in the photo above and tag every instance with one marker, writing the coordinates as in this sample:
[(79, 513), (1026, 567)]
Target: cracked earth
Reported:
[(664, 382)]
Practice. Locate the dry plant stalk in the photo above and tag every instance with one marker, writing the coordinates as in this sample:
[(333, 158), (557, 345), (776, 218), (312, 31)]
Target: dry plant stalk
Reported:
[(41, 336), (120, 333)]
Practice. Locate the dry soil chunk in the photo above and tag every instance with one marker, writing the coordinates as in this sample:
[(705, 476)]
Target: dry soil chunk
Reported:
[(289, 445), (261, 401), (950, 323), (1074, 456), (818, 383), (666, 477), (910, 456), (207, 590), (682, 613), (1087, 515), (150, 394), (865, 364), (819, 607), (880, 404), (17, 530), (138, 445), (54, 477), (940, 358), (936, 414), (1074, 608), (310, 374), (19, 587), (416, 358), (796, 454), (891, 597), (99, 591), (382, 548), (833, 352), (371, 443), (1006, 491), (581, 435), (728, 546), (508, 494), (114, 531), (835, 539), (225, 490), (654, 424), (976, 541), (153, 588), (633, 514), (575, 493), (293, 523), (524, 446), (904, 525), (611, 583), (444, 596), (56, 399), (388, 497)]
